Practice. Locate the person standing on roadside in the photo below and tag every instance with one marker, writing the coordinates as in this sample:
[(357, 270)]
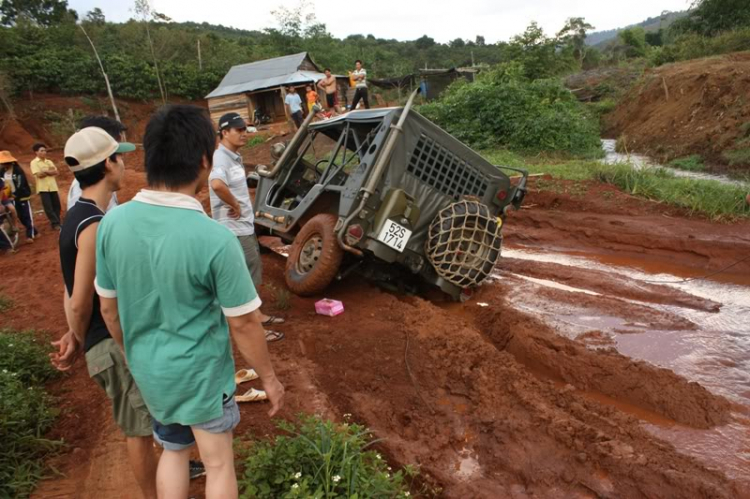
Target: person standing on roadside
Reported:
[(173, 286), (45, 172), (293, 105), (328, 85), (20, 188), (360, 77), (230, 202), (95, 159)]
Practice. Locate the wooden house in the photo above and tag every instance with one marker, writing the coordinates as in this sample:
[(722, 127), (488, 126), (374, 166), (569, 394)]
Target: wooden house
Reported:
[(262, 85)]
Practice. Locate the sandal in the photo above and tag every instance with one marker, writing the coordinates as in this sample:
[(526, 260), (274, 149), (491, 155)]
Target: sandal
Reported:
[(272, 320), (244, 375), (252, 395), (272, 336)]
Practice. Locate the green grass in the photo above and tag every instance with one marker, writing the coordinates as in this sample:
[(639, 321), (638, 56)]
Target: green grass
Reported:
[(26, 412), (709, 198), (692, 163), (737, 157), (255, 141), (319, 458)]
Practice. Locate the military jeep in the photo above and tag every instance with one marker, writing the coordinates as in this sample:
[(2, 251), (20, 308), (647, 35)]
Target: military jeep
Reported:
[(388, 194)]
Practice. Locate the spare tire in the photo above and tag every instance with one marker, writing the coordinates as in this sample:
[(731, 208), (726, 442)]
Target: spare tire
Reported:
[(315, 256)]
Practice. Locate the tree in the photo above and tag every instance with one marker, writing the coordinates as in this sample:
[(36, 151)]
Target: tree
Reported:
[(709, 17), (573, 34), (143, 9), (480, 41), (424, 42), (41, 12), (457, 43), (96, 16), (104, 73), (633, 41)]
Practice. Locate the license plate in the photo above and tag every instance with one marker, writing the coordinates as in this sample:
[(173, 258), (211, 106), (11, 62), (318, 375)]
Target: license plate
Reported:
[(394, 235)]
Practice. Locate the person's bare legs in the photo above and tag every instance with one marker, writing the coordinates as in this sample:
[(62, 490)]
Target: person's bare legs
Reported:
[(218, 458), (143, 463), (173, 474)]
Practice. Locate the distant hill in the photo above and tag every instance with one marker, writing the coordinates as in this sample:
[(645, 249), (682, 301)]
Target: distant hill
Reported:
[(599, 38)]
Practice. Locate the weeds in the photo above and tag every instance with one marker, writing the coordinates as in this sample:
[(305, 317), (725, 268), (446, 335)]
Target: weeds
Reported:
[(255, 141), (737, 157), (25, 412), (692, 163), (5, 303), (283, 299), (321, 459)]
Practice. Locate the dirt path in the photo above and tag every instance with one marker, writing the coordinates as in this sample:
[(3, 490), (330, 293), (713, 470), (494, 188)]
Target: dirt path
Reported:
[(491, 400)]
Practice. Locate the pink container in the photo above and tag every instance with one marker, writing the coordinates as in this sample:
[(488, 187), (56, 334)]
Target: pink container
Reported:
[(329, 307)]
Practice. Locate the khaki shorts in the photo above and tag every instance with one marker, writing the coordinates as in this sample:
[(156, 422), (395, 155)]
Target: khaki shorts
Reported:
[(252, 258), (106, 364)]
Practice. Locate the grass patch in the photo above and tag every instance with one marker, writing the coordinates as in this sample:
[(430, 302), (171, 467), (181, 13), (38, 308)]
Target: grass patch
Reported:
[(26, 412), (737, 157), (5, 303), (283, 299), (706, 197), (692, 163), (321, 459), (255, 141)]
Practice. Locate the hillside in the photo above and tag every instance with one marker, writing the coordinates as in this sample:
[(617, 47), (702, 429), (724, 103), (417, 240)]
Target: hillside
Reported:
[(697, 107), (599, 38)]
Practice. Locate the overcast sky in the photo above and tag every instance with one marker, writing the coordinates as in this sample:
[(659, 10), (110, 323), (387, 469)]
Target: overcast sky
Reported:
[(496, 20)]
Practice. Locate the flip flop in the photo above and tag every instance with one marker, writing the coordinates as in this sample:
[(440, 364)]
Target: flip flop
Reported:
[(272, 336), (272, 320), (252, 395), (244, 375)]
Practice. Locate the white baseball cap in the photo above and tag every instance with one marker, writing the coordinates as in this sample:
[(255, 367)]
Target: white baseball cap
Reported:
[(91, 146)]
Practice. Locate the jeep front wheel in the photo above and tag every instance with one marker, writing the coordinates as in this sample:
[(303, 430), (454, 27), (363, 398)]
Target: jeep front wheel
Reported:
[(315, 256)]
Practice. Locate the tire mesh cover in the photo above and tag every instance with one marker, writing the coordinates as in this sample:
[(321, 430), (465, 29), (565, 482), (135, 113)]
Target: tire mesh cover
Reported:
[(463, 243)]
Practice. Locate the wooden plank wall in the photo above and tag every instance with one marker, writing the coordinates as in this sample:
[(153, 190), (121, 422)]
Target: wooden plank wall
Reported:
[(237, 103)]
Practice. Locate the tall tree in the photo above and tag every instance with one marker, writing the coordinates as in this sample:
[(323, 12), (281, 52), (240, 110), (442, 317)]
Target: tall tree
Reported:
[(573, 34), (147, 14), (42, 12)]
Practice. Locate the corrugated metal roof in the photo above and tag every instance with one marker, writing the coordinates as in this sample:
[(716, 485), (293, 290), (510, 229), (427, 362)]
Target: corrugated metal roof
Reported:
[(265, 74)]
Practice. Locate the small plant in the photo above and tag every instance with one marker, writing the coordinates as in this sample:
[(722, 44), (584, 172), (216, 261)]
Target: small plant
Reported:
[(737, 157), (321, 459), (25, 412), (283, 299), (5, 303), (621, 145), (255, 141), (692, 163)]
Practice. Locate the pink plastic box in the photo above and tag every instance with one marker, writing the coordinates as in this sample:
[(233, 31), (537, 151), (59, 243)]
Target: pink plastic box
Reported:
[(329, 307)]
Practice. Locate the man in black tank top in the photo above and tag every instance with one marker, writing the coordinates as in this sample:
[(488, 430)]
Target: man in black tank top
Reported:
[(94, 157)]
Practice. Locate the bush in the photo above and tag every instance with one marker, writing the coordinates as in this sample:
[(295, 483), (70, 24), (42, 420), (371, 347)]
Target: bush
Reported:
[(692, 163), (320, 459), (504, 109), (25, 412)]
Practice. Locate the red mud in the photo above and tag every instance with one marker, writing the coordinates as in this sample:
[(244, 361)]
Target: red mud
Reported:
[(490, 402)]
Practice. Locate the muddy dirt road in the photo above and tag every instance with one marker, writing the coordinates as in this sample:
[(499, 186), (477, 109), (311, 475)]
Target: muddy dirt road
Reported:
[(568, 375)]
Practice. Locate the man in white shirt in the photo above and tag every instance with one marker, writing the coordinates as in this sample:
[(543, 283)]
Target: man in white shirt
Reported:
[(360, 77), (293, 103)]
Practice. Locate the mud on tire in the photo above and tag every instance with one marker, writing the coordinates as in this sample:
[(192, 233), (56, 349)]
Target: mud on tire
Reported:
[(315, 256)]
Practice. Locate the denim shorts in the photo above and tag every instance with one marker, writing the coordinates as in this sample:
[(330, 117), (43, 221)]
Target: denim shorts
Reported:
[(177, 437)]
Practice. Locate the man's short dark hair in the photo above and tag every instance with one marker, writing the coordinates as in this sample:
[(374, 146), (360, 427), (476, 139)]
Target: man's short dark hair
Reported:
[(327, 69), (112, 127), (357, 61), (94, 174), (177, 139), (38, 146)]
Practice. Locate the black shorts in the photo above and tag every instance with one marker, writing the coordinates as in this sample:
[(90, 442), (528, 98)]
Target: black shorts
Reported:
[(331, 100), (298, 118)]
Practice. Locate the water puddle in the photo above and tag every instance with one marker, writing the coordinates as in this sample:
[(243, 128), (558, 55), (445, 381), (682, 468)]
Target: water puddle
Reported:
[(716, 354), (640, 161)]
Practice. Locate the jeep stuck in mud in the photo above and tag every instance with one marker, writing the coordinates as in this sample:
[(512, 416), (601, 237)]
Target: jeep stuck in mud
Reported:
[(388, 194)]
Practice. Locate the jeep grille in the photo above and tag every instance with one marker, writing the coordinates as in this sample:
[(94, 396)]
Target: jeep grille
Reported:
[(444, 171)]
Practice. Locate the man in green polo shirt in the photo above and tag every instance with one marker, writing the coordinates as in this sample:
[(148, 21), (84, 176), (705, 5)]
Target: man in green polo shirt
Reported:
[(173, 284)]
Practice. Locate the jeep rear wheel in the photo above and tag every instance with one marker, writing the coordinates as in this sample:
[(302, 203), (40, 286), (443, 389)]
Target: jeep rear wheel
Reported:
[(315, 256)]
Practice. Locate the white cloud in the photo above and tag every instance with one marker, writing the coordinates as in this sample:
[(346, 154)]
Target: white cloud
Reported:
[(443, 21)]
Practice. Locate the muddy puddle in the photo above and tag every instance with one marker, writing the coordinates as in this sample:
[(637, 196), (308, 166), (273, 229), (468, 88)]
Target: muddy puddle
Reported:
[(699, 329), (641, 161)]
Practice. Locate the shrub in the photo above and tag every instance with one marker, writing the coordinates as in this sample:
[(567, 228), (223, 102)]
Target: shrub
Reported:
[(320, 459), (504, 109), (692, 163), (737, 157), (25, 413)]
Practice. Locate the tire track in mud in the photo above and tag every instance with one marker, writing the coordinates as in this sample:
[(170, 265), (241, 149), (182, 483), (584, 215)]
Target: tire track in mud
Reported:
[(500, 427)]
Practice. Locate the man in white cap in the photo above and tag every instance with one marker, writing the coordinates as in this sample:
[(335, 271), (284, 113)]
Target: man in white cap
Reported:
[(95, 159)]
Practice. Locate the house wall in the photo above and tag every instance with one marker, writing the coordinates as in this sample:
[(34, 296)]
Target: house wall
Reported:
[(237, 103), (269, 102)]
